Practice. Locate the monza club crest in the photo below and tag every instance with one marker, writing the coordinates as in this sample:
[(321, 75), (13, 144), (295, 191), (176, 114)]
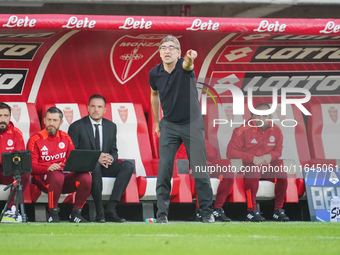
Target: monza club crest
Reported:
[(130, 54), (68, 113), (123, 113), (333, 114), (16, 112)]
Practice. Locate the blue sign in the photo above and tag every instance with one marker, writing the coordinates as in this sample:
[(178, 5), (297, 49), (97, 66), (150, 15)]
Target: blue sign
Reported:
[(321, 184)]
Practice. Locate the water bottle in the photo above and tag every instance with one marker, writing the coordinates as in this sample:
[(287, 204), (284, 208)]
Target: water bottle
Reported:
[(150, 220)]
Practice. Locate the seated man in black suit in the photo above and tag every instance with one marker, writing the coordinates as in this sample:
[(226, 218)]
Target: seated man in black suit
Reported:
[(94, 132)]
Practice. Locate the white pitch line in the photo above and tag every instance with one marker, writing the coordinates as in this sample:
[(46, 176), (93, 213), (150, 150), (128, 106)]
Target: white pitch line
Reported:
[(225, 236), (178, 235)]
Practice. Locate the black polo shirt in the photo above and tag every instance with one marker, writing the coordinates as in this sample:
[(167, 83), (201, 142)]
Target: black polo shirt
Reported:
[(177, 93)]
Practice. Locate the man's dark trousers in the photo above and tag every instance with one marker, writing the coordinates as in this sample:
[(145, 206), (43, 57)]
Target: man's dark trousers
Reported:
[(172, 135), (122, 171)]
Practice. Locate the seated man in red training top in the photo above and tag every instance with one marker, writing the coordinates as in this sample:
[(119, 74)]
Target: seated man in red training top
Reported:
[(11, 140), (259, 144), (50, 148)]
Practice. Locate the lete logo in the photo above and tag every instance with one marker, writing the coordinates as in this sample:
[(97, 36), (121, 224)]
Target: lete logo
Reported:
[(130, 54)]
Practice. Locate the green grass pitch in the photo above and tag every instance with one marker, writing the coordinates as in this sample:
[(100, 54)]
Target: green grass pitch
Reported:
[(174, 238)]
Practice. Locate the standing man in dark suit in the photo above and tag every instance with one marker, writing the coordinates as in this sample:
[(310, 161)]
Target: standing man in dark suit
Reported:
[(93, 132)]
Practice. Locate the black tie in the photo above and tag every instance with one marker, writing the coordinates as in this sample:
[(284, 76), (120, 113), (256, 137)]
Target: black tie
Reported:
[(96, 137)]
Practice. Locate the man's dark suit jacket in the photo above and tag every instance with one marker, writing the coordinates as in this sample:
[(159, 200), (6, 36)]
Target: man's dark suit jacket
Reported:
[(81, 133)]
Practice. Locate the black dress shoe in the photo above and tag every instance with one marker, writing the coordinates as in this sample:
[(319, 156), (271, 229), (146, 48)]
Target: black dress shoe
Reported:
[(208, 218), (163, 219), (113, 217), (100, 220), (100, 217)]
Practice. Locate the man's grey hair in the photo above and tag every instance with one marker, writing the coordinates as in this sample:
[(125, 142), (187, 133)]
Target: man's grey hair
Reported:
[(171, 38)]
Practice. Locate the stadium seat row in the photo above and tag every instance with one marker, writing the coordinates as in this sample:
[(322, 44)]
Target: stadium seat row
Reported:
[(136, 140), (132, 141)]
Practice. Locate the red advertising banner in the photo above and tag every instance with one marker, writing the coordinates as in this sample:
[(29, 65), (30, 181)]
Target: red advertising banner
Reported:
[(56, 59), (63, 58), (157, 23)]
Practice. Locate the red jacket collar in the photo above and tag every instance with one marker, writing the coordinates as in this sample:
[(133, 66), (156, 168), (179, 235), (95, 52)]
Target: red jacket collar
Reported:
[(46, 135)]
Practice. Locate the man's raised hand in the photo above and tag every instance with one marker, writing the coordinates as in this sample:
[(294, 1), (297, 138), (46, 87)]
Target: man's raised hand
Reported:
[(192, 54)]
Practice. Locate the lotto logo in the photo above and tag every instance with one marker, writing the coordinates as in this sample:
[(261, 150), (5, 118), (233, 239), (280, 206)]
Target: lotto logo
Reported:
[(279, 54), (12, 81), (18, 51)]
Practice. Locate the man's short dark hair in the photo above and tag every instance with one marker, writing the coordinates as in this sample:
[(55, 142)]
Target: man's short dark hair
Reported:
[(261, 105), (5, 106), (97, 96), (54, 109)]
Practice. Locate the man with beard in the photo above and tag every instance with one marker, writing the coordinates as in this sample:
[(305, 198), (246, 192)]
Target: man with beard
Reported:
[(50, 148), (11, 139)]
